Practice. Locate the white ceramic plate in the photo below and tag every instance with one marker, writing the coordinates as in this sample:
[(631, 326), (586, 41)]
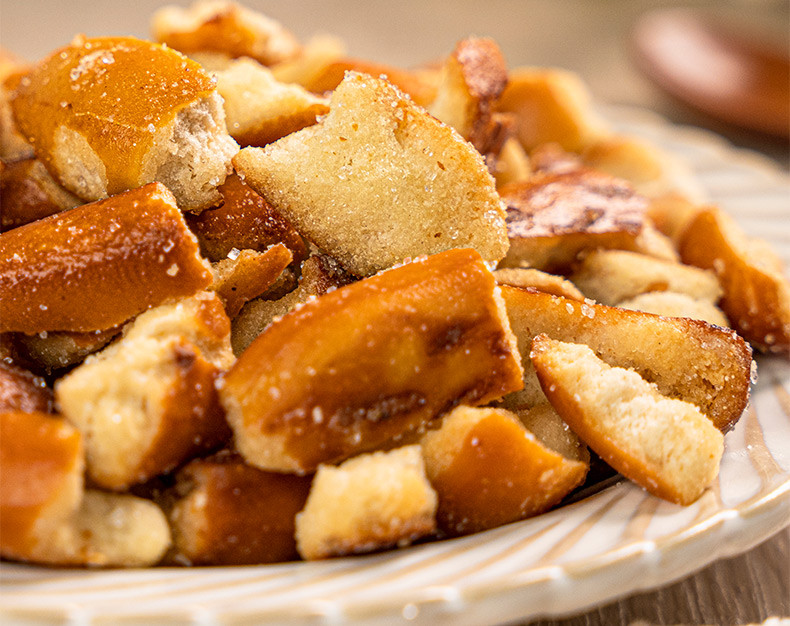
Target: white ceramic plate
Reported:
[(612, 543)]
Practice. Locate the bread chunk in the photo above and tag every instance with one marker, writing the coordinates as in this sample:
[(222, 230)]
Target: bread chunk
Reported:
[(28, 193), (23, 391), (122, 255), (552, 106), (110, 114), (541, 281), (368, 503), (13, 145), (488, 470), (671, 304), (370, 362), (553, 432), (611, 276), (55, 351), (219, 26), (687, 359), (552, 217), (147, 403), (756, 293), (385, 182), (512, 164), (665, 445), (319, 52), (260, 109), (229, 513)]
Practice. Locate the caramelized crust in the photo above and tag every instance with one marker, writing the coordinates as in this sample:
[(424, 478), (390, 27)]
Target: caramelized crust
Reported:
[(756, 294), (238, 280), (22, 391), (244, 221), (488, 470), (122, 255), (369, 362), (552, 217), (667, 446), (232, 514), (687, 359), (224, 27), (28, 193), (52, 351)]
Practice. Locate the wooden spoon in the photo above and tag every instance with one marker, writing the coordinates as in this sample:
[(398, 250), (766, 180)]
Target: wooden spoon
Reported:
[(716, 69)]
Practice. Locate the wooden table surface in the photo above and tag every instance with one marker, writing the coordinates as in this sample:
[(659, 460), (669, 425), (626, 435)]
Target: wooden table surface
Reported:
[(587, 36)]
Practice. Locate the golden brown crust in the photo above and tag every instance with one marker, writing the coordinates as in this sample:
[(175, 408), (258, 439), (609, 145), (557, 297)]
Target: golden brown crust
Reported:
[(552, 217), (687, 359), (245, 221), (23, 391), (488, 470), (541, 281), (369, 362), (123, 255), (28, 193), (230, 513), (756, 295)]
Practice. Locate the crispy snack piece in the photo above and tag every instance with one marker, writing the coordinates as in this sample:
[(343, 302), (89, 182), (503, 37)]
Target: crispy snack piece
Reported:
[(552, 217), (28, 193), (552, 431), (664, 445), (552, 105), (227, 27), (372, 145), (472, 79), (671, 212), (110, 114), (412, 83), (611, 276), (687, 359), (259, 108), (512, 164), (368, 503), (671, 304), (250, 274), (147, 403), (23, 391), (229, 513), (13, 145), (488, 470), (244, 221), (45, 516), (756, 293), (320, 274), (370, 362), (541, 281), (318, 53), (52, 351), (122, 255)]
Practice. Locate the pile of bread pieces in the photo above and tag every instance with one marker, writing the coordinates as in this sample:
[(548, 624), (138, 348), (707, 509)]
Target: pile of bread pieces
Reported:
[(261, 300)]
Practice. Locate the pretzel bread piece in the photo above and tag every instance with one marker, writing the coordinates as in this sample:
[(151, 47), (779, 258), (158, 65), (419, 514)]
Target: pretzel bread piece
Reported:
[(369, 362), (122, 255), (23, 391)]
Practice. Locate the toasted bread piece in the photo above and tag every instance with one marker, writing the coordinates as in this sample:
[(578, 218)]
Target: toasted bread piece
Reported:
[(488, 470), (671, 212), (260, 109), (611, 276), (687, 359), (13, 145), (756, 293), (369, 362), (228, 513), (28, 193), (244, 221), (472, 79), (316, 55), (241, 278), (664, 445), (23, 391), (376, 144), (122, 255), (552, 105), (219, 26), (553, 432), (148, 402), (320, 274), (415, 84), (541, 281), (53, 351), (552, 217), (368, 503), (110, 114), (512, 164), (671, 304)]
